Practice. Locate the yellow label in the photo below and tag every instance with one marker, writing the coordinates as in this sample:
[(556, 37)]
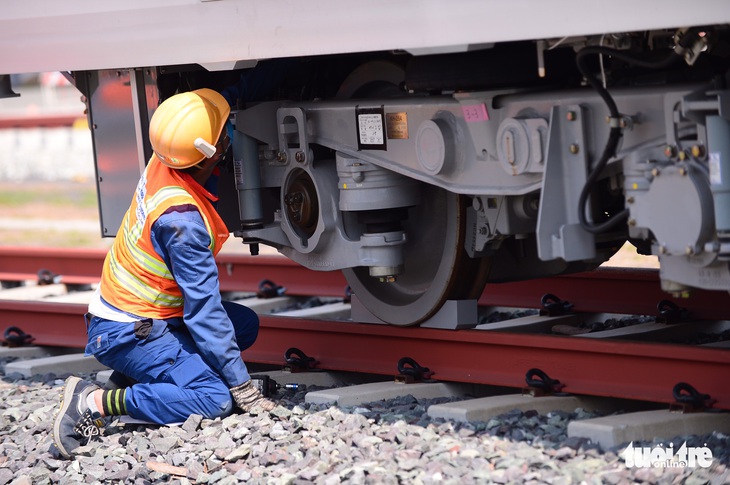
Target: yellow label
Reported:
[(396, 125)]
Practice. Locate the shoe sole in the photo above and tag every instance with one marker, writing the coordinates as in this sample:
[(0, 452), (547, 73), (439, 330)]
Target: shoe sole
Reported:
[(68, 392)]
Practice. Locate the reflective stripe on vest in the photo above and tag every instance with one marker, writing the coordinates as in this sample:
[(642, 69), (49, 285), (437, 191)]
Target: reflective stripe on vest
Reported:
[(135, 279), (139, 288), (151, 262)]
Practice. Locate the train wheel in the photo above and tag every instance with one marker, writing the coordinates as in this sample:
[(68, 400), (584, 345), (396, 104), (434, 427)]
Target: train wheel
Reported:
[(436, 266)]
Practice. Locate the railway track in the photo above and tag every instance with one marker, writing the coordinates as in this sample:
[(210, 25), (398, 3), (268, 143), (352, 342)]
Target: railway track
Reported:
[(645, 361)]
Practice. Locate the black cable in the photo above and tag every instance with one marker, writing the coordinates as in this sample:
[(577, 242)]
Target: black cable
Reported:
[(608, 152), (615, 134)]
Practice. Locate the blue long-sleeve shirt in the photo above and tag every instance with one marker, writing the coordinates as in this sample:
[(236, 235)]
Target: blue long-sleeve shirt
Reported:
[(180, 237)]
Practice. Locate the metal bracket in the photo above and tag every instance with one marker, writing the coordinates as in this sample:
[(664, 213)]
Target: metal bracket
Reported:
[(559, 233), (293, 137)]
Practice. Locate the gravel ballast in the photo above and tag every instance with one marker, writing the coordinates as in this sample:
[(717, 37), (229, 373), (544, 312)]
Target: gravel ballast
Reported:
[(386, 442)]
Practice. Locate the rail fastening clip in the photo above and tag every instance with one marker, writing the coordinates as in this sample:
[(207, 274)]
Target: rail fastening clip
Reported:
[(688, 399), (554, 306), (298, 361), (409, 371), (540, 384), (15, 337)]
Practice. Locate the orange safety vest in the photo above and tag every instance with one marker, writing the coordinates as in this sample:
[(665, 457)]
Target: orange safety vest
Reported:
[(135, 278)]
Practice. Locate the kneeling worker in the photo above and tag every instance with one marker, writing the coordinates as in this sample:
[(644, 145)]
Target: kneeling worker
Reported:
[(157, 318)]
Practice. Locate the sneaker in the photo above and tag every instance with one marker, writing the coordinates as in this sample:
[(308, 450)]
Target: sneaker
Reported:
[(75, 425)]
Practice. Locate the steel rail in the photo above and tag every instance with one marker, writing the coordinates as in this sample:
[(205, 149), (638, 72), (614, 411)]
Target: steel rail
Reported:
[(602, 368), (237, 272), (631, 291), (608, 290), (631, 370)]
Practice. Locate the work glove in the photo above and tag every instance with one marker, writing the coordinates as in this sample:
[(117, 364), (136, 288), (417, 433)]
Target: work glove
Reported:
[(248, 397)]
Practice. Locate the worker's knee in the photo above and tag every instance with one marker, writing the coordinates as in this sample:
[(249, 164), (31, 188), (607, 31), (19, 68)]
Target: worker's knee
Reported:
[(245, 323), (218, 404)]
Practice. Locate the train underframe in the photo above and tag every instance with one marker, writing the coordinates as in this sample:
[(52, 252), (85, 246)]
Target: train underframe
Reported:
[(423, 178)]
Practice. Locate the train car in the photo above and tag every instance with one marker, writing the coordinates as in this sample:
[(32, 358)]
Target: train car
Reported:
[(424, 148)]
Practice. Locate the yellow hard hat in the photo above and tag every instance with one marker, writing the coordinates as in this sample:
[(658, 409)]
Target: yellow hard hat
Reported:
[(186, 126)]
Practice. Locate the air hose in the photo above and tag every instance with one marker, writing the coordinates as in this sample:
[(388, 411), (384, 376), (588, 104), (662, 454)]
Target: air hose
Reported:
[(615, 134)]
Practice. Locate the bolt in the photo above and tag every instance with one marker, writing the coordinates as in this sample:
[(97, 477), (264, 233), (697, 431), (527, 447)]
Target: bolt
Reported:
[(682, 155), (483, 231), (698, 151), (299, 157), (682, 171), (662, 249), (574, 148), (630, 199), (571, 116), (281, 157), (689, 251), (655, 172), (670, 151), (632, 222)]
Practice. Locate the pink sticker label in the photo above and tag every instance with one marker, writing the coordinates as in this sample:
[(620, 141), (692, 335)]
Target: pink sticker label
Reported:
[(475, 112)]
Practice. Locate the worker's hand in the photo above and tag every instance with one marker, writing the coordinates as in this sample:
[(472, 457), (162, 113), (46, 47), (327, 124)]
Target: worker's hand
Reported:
[(247, 397)]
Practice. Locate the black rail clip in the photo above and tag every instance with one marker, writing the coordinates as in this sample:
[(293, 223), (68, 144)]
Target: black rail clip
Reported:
[(409, 371), (670, 312), (269, 289), (554, 306), (687, 399), (15, 337), (540, 384), (298, 361), (48, 277)]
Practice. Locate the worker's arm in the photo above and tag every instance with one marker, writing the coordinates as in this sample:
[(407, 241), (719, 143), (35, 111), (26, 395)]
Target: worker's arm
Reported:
[(180, 237)]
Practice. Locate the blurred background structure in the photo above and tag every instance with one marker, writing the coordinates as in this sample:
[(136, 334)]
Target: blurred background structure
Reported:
[(47, 180), (45, 153)]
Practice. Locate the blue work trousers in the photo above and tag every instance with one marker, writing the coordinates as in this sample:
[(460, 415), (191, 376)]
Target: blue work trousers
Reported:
[(173, 380)]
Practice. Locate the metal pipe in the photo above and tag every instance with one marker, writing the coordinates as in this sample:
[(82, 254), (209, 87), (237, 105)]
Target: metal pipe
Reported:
[(248, 182), (718, 144)]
